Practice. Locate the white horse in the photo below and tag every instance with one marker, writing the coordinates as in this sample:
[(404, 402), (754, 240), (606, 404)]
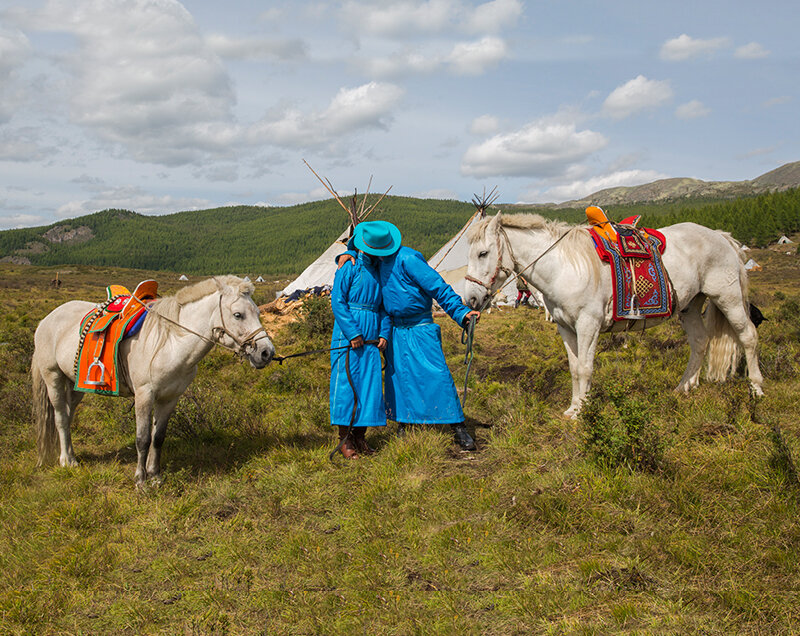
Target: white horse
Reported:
[(560, 260), (155, 366)]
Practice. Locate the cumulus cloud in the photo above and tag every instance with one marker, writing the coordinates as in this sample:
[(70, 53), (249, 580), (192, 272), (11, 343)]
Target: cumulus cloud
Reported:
[(685, 47), (14, 51), (540, 149), (635, 96), (22, 144), (410, 19), (143, 78), (257, 48), (131, 198), (352, 109), (751, 51), (692, 110), (406, 61), (10, 221), (484, 125), (474, 58)]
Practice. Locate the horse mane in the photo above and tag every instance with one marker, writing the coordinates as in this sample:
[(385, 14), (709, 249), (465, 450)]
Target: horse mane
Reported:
[(170, 306), (576, 247)]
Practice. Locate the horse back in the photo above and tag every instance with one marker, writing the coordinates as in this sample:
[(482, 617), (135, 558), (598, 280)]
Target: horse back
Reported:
[(57, 336)]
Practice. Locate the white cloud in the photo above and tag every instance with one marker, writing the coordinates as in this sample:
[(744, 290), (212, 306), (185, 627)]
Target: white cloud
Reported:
[(399, 19), (21, 220), (143, 78), (540, 149), (635, 96), (484, 125), (474, 58), (751, 51), (491, 17), (22, 145), (14, 51), (352, 109), (401, 63), (684, 47), (692, 110), (131, 198), (437, 193), (777, 101), (256, 48), (580, 189)]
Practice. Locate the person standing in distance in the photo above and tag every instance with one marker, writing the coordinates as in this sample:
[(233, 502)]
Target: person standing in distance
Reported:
[(419, 386)]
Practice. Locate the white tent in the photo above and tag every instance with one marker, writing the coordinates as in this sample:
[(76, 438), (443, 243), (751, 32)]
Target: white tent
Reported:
[(246, 279), (321, 271), (183, 277), (259, 279), (751, 265), (784, 240)]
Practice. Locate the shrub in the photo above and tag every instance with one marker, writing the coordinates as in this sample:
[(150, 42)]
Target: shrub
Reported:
[(316, 321), (619, 429)]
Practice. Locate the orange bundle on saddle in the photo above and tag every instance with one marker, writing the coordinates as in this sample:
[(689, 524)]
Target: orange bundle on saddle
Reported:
[(102, 329)]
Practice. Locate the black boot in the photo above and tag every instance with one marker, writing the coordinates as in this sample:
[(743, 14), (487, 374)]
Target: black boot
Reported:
[(402, 429), (462, 437)]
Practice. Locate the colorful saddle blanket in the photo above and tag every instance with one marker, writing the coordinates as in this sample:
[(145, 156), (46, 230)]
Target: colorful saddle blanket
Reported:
[(641, 287), (102, 329)]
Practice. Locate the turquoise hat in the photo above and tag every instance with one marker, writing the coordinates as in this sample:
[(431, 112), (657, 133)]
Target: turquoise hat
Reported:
[(379, 238)]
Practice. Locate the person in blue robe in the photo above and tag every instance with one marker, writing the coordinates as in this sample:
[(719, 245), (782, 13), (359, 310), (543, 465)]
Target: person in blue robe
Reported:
[(359, 320), (419, 386)]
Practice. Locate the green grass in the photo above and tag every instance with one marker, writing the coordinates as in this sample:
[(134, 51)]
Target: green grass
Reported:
[(256, 531)]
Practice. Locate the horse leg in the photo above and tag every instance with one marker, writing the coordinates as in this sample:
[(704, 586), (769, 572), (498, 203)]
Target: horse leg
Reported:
[(144, 418), (587, 332), (733, 308), (691, 318), (161, 414), (64, 401), (571, 345)]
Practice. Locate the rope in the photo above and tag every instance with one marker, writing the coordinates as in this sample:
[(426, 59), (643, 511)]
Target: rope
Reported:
[(467, 338)]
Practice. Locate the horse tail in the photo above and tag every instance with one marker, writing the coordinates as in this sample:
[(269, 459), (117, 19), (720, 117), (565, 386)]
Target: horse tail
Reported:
[(724, 350), (44, 417)]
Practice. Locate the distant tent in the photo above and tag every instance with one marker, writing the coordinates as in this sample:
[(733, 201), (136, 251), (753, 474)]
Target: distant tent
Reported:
[(752, 266), (259, 279), (183, 277), (784, 240), (246, 279)]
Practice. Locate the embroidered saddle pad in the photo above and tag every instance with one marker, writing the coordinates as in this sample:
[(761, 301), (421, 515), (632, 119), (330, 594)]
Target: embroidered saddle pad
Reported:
[(641, 288), (102, 329)]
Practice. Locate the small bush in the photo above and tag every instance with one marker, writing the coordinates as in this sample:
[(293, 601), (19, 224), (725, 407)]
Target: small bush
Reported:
[(619, 429), (317, 319)]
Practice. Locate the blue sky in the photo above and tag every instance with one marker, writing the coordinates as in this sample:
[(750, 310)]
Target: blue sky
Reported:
[(159, 106)]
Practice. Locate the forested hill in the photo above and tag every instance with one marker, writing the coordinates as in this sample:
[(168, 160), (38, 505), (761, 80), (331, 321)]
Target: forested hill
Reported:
[(283, 241), (238, 240)]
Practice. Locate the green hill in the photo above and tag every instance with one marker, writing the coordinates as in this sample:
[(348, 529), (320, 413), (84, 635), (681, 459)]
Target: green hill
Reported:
[(282, 241), (244, 239)]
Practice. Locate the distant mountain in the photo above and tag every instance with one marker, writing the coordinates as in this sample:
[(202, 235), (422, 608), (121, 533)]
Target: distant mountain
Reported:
[(784, 178)]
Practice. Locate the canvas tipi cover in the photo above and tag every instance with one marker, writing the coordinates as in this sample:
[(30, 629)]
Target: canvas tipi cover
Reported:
[(321, 271)]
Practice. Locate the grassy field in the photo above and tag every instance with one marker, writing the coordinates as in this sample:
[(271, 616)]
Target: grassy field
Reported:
[(657, 513)]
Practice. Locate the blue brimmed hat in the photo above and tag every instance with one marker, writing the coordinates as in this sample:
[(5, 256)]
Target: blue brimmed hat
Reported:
[(379, 238)]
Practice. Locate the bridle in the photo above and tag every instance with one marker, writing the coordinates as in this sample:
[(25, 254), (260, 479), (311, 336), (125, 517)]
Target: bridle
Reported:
[(514, 273), (249, 341), (500, 267)]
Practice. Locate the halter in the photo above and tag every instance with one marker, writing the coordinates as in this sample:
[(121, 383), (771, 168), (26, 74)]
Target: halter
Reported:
[(249, 341), (500, 267)]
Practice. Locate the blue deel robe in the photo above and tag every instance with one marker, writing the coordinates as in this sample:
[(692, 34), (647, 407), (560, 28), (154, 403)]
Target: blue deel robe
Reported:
[(419, 386), (356, 303)]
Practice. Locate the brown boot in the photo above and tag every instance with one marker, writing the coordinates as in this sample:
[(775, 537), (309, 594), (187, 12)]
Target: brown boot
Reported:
[(359, 435), (347, 444)]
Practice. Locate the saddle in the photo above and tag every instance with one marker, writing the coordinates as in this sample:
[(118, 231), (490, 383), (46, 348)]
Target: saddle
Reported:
[(102, 329), (641, 287)]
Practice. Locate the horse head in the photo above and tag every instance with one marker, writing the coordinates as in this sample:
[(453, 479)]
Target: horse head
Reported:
[(240, 326), (490, 263)]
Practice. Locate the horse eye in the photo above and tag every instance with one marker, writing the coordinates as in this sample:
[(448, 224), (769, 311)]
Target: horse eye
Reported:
[(483, 254), (237, 315)]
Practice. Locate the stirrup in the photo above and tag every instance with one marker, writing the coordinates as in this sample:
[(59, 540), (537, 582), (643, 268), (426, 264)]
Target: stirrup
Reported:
[(633, 311), (95, 364)]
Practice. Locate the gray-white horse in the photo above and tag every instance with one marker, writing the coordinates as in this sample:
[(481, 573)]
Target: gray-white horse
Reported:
[(560, 260), (155, 366)]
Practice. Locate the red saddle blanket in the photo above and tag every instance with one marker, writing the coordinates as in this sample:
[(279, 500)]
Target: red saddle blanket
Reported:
[(102, 329), (641, 287)]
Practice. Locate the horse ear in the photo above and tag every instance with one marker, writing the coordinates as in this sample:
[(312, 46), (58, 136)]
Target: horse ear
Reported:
[(496, 221)]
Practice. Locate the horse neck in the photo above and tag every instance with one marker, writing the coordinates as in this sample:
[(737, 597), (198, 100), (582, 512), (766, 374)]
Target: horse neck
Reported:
[(201, 316), (531, 246)]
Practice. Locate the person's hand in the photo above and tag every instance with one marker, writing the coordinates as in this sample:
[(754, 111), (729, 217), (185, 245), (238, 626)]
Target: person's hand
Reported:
[(382, 344), (344, 258), (472, 313), (357, 342)]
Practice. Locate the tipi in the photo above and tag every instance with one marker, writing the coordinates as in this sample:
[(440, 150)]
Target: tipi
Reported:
[(752, 266), (322, 271), (183, 277)]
